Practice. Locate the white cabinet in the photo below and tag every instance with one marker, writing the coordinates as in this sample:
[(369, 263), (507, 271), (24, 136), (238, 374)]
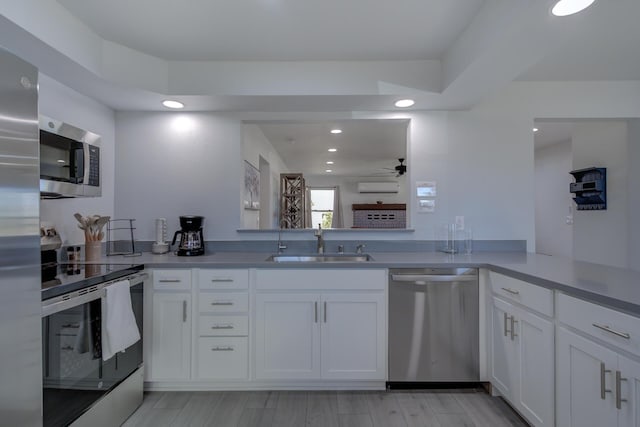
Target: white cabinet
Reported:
[(222, 330), (320, 333), (287, 336), (522, 350), (168, 355), (353, 336), (171, 336), (597, 384), (503, 368)]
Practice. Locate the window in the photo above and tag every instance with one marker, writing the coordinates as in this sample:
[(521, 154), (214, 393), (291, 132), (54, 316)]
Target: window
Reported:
[(321, 206)]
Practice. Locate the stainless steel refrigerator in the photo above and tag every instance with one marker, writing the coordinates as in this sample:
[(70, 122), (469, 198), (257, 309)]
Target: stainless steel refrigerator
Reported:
[(20, 305)]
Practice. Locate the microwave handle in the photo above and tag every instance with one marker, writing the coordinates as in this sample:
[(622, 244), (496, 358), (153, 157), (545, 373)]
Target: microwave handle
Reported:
[(79, 164)]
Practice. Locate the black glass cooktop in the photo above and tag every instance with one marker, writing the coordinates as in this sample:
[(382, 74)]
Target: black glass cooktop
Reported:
[(58, 279)]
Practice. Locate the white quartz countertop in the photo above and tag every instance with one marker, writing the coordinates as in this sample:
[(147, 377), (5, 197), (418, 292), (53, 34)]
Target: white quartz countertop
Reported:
[(616, 287)]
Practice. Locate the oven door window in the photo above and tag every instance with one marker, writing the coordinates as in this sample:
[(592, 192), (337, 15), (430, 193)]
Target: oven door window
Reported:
[(74, 374), (61, 158)]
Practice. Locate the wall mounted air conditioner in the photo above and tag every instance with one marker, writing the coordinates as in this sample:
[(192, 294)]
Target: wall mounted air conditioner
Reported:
[(378, 187)]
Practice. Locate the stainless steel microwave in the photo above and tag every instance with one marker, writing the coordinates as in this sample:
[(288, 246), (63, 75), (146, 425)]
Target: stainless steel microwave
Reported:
[(69, 160)]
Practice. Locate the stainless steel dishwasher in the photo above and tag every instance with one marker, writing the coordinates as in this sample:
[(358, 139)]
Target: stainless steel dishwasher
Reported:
[(433, 325)]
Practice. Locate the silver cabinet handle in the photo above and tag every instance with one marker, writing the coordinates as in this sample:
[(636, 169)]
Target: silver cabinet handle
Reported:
[(611, 331), (67, 348), (222, 279), (511, 291), (222, 349), (505, 324), (325, 312), (315, 309), (603, 388), (184, 311), (513, 327), (433, 278), (222, 327), (222, 303), (619, 398), (169, 281)]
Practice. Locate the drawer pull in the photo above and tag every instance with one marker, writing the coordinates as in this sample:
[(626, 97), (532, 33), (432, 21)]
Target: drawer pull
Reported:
[(222, 279), (222, 327), (611, 331), (222, 349), (513, 327), (619, 398), (603, 388), (511, 291), (67, 348), (222, 303), (169, 280)]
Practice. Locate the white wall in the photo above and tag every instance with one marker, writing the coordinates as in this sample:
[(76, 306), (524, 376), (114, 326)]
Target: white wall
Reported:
[(634, 195), (255, 145), (59, 102), (601, 236), (171, 164), (553, 200)]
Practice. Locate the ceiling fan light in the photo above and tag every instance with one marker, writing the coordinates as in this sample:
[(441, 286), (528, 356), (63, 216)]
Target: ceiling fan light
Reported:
[(569, 7)]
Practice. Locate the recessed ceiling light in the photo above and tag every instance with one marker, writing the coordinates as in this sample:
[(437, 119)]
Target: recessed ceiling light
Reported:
[(328, 170), (61, 161), (536, 129), (170, 103), (329, 162), (404, 103), (569, 7), (336, 131), (332, 150)]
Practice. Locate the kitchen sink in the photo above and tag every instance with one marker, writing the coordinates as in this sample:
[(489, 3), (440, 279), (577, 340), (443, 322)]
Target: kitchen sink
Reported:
[(321, 258)]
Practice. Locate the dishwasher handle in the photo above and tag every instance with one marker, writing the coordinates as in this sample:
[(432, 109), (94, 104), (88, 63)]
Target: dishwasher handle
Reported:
[(424, 278)]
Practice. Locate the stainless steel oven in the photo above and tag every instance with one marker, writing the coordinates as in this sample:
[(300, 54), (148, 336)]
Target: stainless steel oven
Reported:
[(75, 378)]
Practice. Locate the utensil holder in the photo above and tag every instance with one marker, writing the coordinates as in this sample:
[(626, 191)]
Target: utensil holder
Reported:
[(92, 251)]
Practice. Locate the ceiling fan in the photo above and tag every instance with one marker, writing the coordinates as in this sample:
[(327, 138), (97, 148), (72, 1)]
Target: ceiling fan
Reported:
[(396, 171)]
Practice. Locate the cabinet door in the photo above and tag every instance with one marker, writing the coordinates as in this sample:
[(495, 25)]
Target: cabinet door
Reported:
[(287, 336), (353, 336), (536, 368), (585, 373), (504, 351), (171, 336), (629, 413)]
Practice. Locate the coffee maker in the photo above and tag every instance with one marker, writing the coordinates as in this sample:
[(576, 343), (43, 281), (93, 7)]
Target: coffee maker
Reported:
[(191, 239)]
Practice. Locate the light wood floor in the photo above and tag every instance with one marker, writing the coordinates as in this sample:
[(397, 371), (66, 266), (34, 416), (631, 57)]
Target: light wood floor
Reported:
[(472, 408)]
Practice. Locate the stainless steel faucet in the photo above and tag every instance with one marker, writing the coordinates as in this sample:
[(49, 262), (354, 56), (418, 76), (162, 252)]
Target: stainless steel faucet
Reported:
[(318, 234), (359, 248), (281, 245)]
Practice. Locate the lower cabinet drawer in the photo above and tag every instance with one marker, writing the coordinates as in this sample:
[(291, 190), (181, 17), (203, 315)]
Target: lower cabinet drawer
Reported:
[(223, 325), (223, 302), (611, 326), (223, 358)]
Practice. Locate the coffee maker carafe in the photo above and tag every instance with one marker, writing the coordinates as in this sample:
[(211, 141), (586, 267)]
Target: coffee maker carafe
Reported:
[(191, 239)]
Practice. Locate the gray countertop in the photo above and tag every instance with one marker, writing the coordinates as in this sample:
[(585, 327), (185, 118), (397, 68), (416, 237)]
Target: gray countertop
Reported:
[(615, 287)]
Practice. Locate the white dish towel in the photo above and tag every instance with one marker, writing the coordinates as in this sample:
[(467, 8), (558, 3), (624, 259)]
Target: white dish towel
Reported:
[(119, 328)]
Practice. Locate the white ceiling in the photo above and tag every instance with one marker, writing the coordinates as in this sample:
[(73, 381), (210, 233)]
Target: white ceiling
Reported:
[(316, 56), (279, 29), (551, 132), (365, 147), (600, 43)]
